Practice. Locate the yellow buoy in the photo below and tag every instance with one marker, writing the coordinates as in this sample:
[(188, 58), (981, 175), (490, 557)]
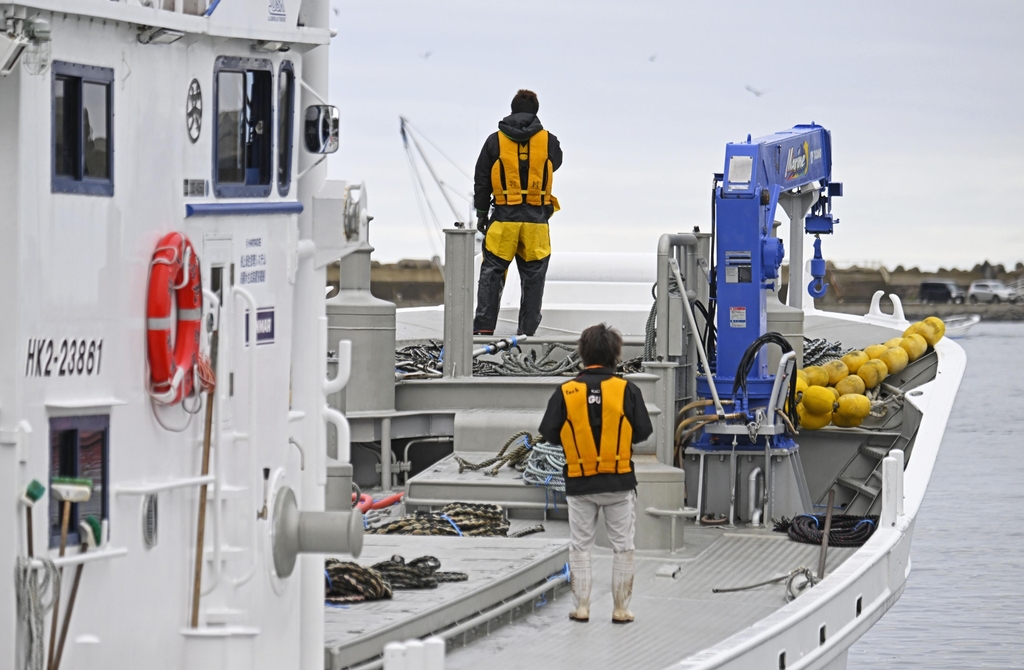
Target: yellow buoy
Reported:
[(928, 329), (894, 342), (800, 374), (895, 359), (812, 421), (911, 329), (873, 373), (914, 345), (875, 350), (940, 328), (854, 360), (801, 386), (819, 399), (816, 376), (837, 371), (845, 423), (852, 384), (853, 406), (834, 392)]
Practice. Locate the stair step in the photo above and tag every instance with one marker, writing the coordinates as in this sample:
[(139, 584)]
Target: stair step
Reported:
[(859, 487), (877, 453)]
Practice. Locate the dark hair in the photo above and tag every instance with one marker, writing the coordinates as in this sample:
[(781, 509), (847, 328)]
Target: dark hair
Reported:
[(600, 345), (525, 101)]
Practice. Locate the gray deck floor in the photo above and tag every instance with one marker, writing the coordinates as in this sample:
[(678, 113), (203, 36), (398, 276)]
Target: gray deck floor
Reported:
[(675, 617), (497, 567)]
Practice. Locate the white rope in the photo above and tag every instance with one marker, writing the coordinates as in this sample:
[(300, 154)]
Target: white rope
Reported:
[(31, 607), (544, 466)]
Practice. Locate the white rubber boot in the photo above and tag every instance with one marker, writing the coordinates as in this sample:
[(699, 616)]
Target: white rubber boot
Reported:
[(622, 586), (579, 569)]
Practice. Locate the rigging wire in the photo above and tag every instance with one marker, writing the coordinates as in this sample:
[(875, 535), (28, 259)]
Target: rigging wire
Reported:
[(419, 132), (430, 168), (421, 193)]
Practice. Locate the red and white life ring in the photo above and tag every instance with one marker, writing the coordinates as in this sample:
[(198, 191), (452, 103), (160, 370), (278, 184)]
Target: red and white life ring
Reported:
[(174, 276)]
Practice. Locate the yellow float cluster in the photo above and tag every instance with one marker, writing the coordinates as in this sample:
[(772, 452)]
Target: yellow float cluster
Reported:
[(834, 393)]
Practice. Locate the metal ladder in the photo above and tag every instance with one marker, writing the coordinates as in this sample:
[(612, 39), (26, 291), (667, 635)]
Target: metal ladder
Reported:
[(870, 487)]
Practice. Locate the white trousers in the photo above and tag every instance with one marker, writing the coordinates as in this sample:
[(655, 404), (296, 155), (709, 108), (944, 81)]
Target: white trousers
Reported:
[(619, 520)]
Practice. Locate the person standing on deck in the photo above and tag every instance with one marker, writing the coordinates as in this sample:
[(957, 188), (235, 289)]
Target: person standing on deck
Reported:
[(597, 417), (514, 173)]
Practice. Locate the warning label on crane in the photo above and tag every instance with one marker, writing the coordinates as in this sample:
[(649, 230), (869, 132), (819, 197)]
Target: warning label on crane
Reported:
[(737, 317)]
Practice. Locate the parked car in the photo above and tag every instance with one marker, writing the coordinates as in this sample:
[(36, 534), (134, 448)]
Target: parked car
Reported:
[(941, 290), (990, 290)]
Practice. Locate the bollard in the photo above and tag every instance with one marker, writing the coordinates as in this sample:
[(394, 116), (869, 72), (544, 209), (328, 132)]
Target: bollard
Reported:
[(394, 656), (458, 302), (900, 467), (415, 655), (433, 653), (891, 474)]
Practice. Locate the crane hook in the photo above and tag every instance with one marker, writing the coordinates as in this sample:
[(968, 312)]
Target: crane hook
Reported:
[(817, 287)]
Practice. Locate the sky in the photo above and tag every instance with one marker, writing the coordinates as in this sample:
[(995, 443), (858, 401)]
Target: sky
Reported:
[(924, 100)]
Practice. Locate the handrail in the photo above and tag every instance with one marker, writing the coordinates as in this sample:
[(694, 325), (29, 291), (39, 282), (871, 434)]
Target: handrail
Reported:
[(90, 557), (688, 310), (158, 487), (251, 432), (344, 368)]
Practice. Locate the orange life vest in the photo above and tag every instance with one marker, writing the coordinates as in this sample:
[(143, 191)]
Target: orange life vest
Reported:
[(582, 455), (505, 174)]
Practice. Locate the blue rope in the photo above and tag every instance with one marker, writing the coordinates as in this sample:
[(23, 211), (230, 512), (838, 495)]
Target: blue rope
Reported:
[(449, 520), (330, 585), (817, 526)]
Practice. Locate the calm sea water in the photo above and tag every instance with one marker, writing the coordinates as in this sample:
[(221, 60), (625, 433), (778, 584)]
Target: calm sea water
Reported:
[(964, 603)]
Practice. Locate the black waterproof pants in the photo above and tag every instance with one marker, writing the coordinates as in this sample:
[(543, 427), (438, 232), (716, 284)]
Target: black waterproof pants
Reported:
[(492, 283)]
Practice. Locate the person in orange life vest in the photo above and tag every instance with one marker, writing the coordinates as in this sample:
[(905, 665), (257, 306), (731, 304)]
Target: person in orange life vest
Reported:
[(597, 417), (514, 175)]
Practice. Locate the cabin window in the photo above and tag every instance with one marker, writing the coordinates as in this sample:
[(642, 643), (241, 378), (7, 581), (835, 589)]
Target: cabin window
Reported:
[(285, 126), (83, 127), (78, 448), (243, 108)]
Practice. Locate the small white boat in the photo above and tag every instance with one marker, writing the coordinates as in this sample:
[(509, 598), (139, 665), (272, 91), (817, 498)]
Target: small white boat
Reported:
[(958, 325)]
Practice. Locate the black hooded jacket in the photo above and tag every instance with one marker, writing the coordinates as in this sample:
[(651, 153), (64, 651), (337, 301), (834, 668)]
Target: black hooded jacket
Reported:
[(520, 127)]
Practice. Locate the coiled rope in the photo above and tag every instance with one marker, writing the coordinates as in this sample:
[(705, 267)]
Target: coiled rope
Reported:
[(516, 457), (347, 582), (419, 361), (820, 350), (459, 519), (426, 361), (529, 364), (846, 530), (544, 466), (32, 608)]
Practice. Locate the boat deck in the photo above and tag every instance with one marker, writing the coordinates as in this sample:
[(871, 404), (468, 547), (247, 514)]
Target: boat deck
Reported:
[(498, 568), (676, 616), (677, 613)]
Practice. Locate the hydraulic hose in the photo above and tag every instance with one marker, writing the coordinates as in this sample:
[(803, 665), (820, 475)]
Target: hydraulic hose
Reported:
[(387, 501), (710, 419), (698, 404)]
